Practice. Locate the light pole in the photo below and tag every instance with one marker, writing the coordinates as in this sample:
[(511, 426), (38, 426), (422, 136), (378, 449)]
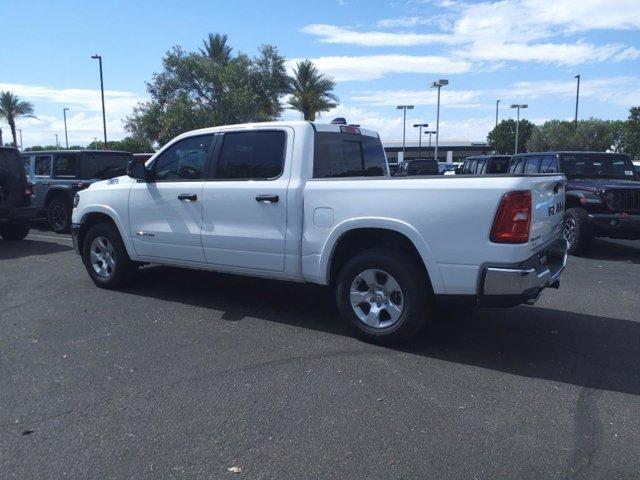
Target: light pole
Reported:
[(66, 138), (419, 127), (430, 132), (404, 109), (577, 98), (497, 103), (104, 118), (20, 130), (518, 106), (57, 143), (439, 84)]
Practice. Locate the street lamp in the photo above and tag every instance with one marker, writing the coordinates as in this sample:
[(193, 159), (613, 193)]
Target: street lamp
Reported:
[(497, 103), (104, 118), (66, 137), (439, 84), (518, 106), (20, 130), (577, 98), (430, 132), (404, 109), (419, 127), (57, 143)]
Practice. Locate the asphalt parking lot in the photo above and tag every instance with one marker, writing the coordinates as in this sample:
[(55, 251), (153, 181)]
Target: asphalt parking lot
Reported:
[(186, 374)]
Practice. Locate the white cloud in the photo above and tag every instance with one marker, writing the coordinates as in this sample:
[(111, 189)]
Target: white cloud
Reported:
[(518, 30), (371, 67), (450, 98), (84, 120)]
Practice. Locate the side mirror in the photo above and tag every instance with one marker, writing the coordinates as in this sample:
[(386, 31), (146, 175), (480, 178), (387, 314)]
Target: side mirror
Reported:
[(136, 170)]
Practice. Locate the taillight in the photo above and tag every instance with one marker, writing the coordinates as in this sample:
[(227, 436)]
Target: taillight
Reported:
[(512, 221), (28, 190)]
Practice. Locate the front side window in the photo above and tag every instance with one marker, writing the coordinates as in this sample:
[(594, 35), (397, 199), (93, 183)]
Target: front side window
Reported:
[(42, 166), (184, 160), (349, 155), (65, 165), (251, 155)]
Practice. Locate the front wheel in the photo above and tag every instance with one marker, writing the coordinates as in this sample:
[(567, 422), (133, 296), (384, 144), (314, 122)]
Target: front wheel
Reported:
[(384, 296), (59, 215), (105, 257), (576, 230), (14, 231)]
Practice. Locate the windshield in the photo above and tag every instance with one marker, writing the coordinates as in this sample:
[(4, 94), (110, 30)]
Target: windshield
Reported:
[(598, 166)]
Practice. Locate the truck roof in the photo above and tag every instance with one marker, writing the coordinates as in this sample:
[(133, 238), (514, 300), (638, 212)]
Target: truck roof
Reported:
[(317, 126)]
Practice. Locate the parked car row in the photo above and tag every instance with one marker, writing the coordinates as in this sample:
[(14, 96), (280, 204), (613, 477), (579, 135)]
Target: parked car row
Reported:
[(602, 194)]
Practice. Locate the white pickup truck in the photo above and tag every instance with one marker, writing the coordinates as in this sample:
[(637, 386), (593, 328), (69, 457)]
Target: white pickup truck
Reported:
[(310, 202)]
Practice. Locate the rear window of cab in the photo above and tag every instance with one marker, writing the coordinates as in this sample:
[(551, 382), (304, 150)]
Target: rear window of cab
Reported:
[(348, 155)]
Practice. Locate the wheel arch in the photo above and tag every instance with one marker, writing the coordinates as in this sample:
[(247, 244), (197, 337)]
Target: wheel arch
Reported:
[(355, 235), (103, 214)]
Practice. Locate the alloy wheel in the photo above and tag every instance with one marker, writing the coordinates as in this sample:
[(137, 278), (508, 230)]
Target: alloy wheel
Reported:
[(376, 298), (102, 257)]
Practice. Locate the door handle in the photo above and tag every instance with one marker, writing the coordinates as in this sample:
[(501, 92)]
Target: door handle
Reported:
[(268, 198), (188, 197)]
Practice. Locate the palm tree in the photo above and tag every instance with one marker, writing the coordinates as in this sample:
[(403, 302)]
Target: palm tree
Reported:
[(11, 107), (311, 92), (216, 48)]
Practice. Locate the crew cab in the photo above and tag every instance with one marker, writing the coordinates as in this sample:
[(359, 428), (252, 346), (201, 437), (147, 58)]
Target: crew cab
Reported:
[(603, 193), (57, 175), (308, 202)]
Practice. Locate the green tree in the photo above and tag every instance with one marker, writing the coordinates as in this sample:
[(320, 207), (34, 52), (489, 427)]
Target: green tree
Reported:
[(311, 92), (503, 137), (592, 134), (207, 88), (11, 108), (631, 133), (127, 144)]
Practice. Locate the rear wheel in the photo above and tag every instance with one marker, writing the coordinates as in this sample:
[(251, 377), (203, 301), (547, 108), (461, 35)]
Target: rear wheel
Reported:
[(384, 296), (105, 257), (576, 230), (14, 231), (59, 215)]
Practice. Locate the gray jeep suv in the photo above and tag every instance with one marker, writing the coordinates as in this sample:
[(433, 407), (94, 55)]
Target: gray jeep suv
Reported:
[(57, 175)]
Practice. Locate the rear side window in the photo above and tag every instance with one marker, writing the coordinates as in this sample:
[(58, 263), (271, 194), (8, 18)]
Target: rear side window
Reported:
[(517, 165), (348, 155), (27, 165), (65, 165), (533, 165), (549, 164), (257, 155), (482, 163), (42, 166), (104, 166), (498, 165), (184, 160)]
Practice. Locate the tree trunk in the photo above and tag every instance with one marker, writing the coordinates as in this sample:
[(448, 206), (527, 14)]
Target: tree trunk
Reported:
[(12, 125)]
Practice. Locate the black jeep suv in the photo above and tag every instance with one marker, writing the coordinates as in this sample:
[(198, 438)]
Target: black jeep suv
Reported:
[(15, 196), (603, 193)]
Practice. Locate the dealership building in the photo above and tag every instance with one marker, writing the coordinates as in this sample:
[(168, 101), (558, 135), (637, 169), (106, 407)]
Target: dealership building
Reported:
[(448, 150)]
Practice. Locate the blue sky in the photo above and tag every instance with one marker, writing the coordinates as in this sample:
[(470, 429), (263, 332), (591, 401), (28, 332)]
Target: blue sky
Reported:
[(381, 53)]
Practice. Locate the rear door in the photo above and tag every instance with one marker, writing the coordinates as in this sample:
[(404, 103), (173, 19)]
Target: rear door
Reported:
[(42, 168), (245, 200)]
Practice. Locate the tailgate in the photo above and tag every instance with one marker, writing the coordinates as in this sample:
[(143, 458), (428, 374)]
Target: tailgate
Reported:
[(547, 205)]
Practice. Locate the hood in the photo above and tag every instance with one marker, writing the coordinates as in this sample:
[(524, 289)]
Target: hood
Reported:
[(596, 184)]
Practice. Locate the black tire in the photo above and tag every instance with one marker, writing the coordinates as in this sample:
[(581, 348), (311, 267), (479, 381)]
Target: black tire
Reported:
[(14, 231), (417, 297), (123, 270), (59, 214), (576, 230)]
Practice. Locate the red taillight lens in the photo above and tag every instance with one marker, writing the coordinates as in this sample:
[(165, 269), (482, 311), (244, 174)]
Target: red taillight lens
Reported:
[(28, 190), (512, 221)]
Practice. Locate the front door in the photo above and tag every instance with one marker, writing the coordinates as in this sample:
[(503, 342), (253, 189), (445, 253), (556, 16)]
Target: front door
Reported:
[(245, 201), (165, 213), (41, 179)]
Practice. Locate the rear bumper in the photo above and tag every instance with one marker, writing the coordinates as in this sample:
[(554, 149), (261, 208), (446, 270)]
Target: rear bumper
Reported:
[(509, 285), (19, 213), (615, 225)]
